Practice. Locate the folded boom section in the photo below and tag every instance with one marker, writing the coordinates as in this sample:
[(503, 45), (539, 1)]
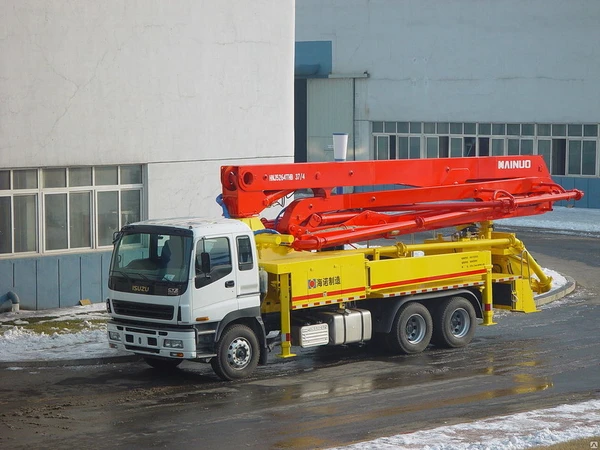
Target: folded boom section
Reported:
[(334, 209)]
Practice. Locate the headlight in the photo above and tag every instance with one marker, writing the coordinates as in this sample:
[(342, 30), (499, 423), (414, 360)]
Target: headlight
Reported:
[(114, 336), (173, 343)]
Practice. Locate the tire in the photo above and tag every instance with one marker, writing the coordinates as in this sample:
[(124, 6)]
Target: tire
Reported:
[(454, 323), (237, 353), (411, 330), (162, 363)]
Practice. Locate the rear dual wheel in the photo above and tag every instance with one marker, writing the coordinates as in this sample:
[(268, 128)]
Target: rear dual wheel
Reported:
[(411, 330), (454, 323), (452, 326)]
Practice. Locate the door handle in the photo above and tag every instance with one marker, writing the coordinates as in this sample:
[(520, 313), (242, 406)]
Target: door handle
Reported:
[(229, 283)]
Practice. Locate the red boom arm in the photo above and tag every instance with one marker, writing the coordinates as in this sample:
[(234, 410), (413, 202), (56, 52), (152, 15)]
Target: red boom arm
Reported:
[(431, 193)]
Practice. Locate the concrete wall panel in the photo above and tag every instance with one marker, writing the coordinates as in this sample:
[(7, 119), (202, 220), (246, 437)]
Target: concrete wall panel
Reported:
[(593, 193), (55, 281), (90, 83), (6, 282), (25, 282), (91, 277), (47, 283), (69, 276)]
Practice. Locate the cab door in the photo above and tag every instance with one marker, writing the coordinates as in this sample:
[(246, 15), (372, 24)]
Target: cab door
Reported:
[(247, 272), (215, 292)]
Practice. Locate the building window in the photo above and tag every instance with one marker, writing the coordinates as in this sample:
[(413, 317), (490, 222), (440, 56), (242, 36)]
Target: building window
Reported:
[(58, 209), (568, 149)]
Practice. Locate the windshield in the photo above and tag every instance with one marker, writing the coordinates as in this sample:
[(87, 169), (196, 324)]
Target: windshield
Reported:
[(152, 257)]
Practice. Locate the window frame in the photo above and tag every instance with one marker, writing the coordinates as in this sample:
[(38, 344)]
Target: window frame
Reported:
[(525, 136), (41, 203)]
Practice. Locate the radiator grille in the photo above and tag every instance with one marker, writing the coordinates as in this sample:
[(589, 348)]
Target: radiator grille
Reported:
[(147, 310)]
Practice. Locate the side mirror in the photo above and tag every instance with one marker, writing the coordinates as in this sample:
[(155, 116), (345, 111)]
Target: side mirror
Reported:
[(203, 278), (205, 262)]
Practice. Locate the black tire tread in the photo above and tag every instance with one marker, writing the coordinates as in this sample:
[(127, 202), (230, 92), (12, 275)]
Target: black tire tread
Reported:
[(441, 334), (219, 362), (395, 339)]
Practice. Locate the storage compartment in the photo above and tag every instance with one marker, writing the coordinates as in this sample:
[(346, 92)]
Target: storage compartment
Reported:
[(310, 335), (347, 325)]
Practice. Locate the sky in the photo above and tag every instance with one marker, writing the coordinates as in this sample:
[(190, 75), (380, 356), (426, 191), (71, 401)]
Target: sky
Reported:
[(519, 431)]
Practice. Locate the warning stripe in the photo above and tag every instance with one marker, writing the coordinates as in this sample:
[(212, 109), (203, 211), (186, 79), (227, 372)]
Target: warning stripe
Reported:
[(434, 289), (499, 280), (321, 295), (428, 279), (328, 302)]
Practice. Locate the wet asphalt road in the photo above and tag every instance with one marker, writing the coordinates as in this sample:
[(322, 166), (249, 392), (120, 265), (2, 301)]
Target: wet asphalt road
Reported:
[(327, 396)]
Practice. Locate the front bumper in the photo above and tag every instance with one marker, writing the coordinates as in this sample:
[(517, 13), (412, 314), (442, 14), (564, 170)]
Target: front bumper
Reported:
[(146, 340)]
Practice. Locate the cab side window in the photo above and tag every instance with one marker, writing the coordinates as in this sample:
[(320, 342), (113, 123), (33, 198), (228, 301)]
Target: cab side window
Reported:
[(219, 252), (244, 250)]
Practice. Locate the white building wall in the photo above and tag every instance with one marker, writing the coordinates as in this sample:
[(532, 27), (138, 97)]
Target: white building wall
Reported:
[(464, 60), (179, 85)]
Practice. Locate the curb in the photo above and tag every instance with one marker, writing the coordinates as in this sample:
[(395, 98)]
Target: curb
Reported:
[(549, 297)]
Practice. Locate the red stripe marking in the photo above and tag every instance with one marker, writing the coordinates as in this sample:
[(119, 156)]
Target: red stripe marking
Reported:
[(488, 307), (329, 294), (426, 279)]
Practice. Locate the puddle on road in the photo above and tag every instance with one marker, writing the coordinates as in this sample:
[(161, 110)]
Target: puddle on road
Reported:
[(322, 418)]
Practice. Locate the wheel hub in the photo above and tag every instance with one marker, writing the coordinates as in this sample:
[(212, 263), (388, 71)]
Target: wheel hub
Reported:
[(460, 323), (415, 329), (239, 353)]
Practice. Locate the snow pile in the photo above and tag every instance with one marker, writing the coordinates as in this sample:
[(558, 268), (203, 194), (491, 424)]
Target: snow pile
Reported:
[(557, 279), (18, 344), (519, 431)]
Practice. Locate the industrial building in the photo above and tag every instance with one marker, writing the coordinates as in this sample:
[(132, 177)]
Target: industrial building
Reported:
[(414, 79), (114, 111)]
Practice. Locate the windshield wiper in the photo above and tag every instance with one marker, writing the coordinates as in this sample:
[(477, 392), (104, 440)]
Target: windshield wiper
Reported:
[(123, 274), (128, 276)]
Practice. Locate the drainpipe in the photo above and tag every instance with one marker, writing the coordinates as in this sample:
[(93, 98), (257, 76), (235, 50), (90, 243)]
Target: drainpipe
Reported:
[(14, 298)]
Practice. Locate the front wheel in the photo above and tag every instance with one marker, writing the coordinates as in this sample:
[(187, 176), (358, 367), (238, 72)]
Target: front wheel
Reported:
[(454, 323), (237, 353), (411, 330)]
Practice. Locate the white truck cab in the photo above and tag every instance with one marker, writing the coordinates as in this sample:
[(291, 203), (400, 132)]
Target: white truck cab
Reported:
[(175, 285)]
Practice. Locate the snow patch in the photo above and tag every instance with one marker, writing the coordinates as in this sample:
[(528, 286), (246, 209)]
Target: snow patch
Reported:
[(518, 431)]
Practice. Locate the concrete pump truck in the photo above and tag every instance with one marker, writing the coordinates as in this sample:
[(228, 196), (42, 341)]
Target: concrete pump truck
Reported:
[(218, 290)]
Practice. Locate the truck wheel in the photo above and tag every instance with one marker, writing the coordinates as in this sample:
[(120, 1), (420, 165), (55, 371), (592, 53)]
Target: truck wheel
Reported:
[(237, 353), (411, 330), (162, 363), (454, 323)]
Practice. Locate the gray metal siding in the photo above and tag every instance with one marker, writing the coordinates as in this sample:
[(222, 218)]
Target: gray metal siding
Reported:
[(46, 282), (25, 282), (589, 186), (69, 278), (329, 110), (91, 277)]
